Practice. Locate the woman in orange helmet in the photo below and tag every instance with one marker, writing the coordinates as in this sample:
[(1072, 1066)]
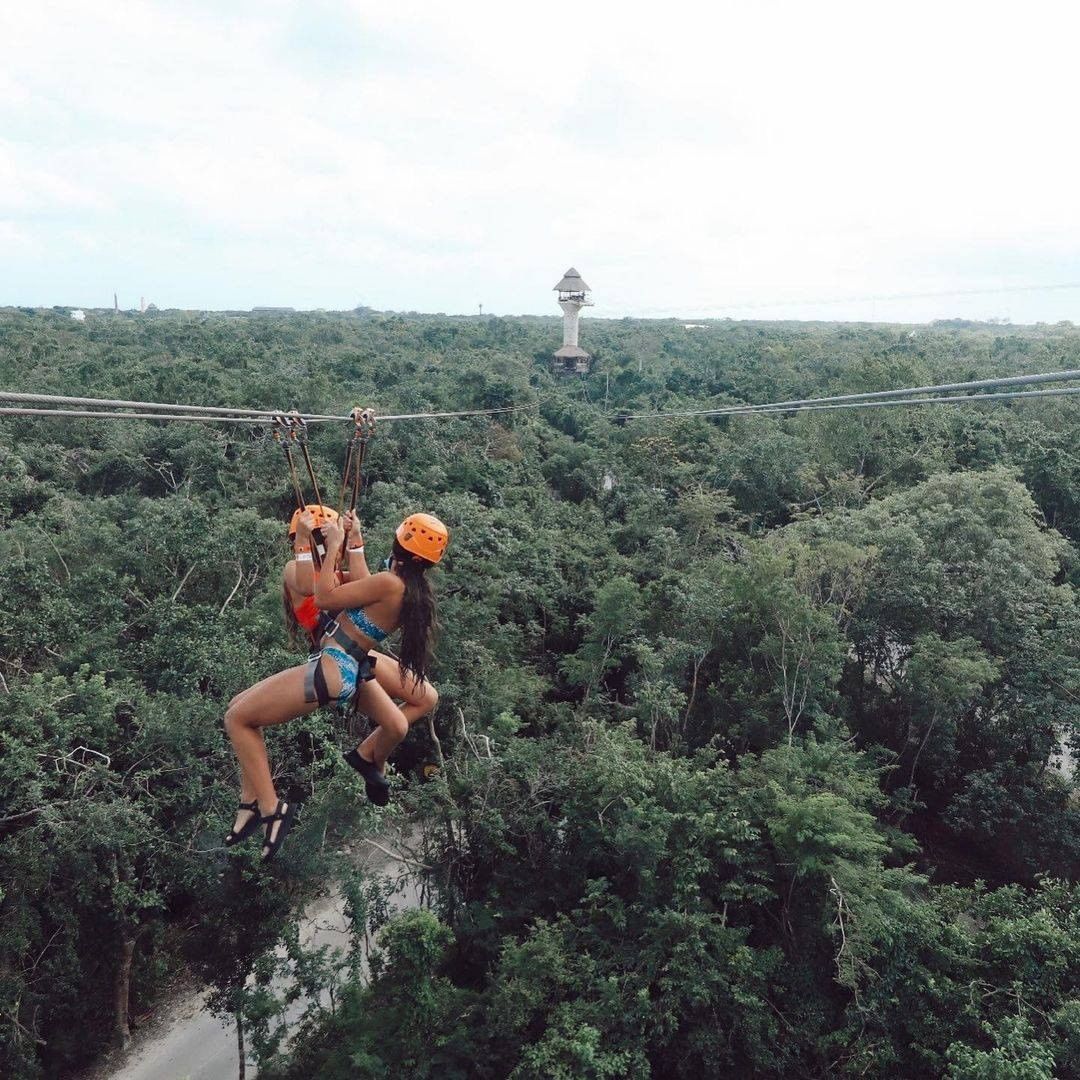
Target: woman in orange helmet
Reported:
[(298, 582), (368, 607), (301, 616)]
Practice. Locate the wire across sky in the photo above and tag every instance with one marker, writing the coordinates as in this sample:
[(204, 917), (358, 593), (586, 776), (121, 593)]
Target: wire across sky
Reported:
[(876, 398), (121, 409), (49, 405)]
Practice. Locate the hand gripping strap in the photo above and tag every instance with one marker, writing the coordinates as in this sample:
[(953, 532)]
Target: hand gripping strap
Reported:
[(315, 688)]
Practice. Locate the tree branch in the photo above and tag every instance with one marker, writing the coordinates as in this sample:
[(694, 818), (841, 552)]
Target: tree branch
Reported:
[(228, 599), (183, 582), (396, 855), (60, 557), (435, 739)]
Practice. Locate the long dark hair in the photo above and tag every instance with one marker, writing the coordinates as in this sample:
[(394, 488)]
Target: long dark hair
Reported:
[(297, 633), (419, 615)]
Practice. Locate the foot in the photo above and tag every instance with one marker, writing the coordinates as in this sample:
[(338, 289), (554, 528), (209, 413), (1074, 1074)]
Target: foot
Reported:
[(375, 784), (278, 823), (247, 821)]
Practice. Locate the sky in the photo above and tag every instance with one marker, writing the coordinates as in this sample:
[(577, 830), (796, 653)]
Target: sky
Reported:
[(754, 160)]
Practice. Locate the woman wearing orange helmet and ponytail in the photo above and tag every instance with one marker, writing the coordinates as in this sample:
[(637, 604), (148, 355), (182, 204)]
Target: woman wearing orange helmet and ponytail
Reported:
[(366, 608), (298, 583)]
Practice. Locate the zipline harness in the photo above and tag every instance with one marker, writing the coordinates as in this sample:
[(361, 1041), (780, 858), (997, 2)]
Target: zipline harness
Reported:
[(290, 431), (363, 432)]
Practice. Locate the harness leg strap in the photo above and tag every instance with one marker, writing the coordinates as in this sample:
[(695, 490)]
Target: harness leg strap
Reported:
[(315, 688)]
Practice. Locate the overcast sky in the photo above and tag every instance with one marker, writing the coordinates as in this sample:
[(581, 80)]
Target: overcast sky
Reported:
[(754, 159)]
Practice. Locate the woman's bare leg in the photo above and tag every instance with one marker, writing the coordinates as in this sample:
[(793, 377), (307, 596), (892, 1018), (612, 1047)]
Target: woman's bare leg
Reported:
[(420, 699), (391, 723), (247, 789), (272, 701)]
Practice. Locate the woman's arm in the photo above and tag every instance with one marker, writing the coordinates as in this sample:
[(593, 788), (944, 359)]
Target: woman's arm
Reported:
[(300, 571), (357, 563), (332, 596)]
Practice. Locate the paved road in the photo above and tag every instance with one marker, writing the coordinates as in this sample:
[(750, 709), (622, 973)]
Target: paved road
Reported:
[(192, 1044)]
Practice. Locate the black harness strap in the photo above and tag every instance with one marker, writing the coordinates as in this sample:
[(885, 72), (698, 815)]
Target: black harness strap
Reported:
[(363, 429), (315, 688), (321, 626), (280, 423), (346, 472), (296, 432), (307, 462), (364, 419), (345, 643)]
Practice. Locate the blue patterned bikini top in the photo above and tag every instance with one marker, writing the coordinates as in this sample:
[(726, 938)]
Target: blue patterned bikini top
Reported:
[(365, 625)]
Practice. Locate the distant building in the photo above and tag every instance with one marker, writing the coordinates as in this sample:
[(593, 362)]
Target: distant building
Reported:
[(272, 310), (573, 296), (79, 315)]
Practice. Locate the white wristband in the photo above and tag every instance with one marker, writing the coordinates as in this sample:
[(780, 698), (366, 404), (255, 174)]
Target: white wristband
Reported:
[(357, 551), (304, 556)]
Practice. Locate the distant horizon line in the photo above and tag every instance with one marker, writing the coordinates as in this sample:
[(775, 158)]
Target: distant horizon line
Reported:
[(363, 310)]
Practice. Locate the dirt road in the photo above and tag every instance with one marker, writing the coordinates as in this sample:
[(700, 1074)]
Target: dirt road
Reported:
[(189, 1043)]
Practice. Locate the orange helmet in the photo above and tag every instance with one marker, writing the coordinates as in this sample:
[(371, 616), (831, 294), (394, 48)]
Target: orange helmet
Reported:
[(323, 514), (423, 535)]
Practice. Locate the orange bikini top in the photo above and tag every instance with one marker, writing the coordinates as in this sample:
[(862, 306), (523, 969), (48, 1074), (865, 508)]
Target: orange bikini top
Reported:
[(307, 614)]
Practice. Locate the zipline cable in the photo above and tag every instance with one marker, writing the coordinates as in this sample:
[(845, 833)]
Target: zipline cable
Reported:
[(466, 412), (793, 405), (867, 399), (224, 415), (747, 410), (209, 410), (958, 399), (258, 421)]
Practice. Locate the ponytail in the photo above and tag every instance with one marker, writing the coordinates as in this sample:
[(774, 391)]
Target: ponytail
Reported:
[(419, 615), (292, 623)]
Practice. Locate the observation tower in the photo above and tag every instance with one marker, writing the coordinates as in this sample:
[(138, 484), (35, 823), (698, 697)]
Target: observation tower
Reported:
[(573, 296)]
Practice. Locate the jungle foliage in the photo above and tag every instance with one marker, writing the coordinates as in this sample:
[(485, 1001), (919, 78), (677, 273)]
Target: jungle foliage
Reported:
[(756, 732)]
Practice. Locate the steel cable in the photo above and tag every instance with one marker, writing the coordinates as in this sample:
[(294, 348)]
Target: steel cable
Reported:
[(958, 399), (239, 414), (799, 403)]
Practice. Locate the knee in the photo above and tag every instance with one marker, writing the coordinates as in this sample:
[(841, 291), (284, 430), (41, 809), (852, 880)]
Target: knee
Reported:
[(234, 716), (431, 699), (398, 725)]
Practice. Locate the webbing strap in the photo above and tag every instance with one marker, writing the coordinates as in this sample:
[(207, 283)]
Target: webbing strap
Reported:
[(345, 475), (292, 474), (358, 475), (346, 643), (323, 623), (315, 688), (310, 471), (364, 421)]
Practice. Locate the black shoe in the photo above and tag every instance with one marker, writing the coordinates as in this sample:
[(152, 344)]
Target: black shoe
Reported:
[(286, 817), (252, 823), (375, 784)]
